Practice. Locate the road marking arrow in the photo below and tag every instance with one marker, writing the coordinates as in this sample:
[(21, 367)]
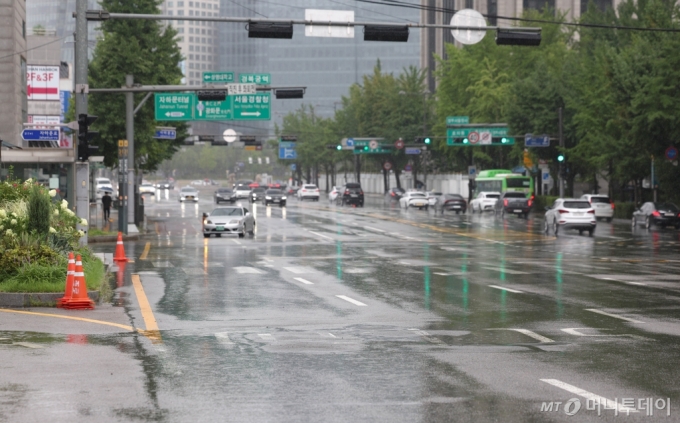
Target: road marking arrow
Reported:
[(174, 114)]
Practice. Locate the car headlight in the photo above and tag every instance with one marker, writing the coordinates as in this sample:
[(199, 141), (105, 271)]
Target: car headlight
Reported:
[(267, 198), (209, 222), (283, 198), (234, 221)]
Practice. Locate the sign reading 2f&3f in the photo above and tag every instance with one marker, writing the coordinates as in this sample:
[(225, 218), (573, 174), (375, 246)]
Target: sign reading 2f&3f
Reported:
[(42, 82)]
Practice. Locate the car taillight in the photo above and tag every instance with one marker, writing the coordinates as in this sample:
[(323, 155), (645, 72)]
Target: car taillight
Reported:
[(656, 213), (591, 211), (392, 194), (361, 193), (612, 206), (531, 200), (562, 211), (347, 192), (505, 202)]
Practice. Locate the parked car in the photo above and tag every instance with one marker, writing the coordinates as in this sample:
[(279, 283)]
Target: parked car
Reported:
[(394, 194), (604, 208), (569, 213), (432, 197), (275, 196), (308, 191), (229, 220), (513, 202), (485, 201), (224, 194), (147, 188), (165, 185), (333, 195), (414, 199), (656, 214), (351, 194), (257, 194), (452, 202), (188, 194)]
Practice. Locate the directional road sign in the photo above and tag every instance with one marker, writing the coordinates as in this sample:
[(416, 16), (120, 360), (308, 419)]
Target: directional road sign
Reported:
[(255, 78), (472, 171), (540, 141), (287, 144), (166, 133), (175, 106), (218, 77), (349, 142), (40, 134), (453, 133), (457, 120), (287, 153), (379, 150), (412, 151), (185, 106)]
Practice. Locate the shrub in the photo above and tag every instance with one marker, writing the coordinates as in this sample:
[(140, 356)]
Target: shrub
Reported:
[(39, 211), (12, 259), (543, 201), (624, 210)]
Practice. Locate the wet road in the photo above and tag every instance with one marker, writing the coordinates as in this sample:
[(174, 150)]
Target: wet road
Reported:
[(340, 314)]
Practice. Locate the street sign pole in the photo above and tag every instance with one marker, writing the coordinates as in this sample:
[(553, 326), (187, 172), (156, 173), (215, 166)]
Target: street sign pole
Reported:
[(82, 180), (129, 196), (561, 165), (122, 185)]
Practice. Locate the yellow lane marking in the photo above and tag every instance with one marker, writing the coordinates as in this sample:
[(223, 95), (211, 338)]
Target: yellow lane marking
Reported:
[(82, 319), (144, 306), (155, 224), (145, 253)]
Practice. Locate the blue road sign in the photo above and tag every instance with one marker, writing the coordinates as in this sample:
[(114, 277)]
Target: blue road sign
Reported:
[(546, 176), (540, 141), (287, 153), (287, 144), (40, 134), (671, 153), (350, 142), (293, 167), (412, 150), (166, 134)]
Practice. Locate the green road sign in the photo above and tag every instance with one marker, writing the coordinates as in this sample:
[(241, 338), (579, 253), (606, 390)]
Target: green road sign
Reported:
[(457, 120), (379, 150), (218, 77), (255, 78), (496, 132), (175, 106), (171, 106)]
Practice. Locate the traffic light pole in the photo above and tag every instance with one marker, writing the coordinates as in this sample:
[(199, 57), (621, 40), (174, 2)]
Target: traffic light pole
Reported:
[(81, 169), (561, 164), (129, 212)]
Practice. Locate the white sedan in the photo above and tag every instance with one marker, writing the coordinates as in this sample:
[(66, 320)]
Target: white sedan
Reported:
[(147, 188), (432, 197), (485, 201), (414, 199), (333, 195), (188, 194), (308, 191)]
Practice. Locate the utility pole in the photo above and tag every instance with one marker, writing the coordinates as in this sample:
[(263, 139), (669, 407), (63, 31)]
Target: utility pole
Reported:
[(561, 169), (130, 134), (81, 169)]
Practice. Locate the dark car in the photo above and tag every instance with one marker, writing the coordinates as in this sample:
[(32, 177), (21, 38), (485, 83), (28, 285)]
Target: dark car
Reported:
[(165, 185), (224, 194), (351, 194), (659, 214), (257, 194), (512, 202), (292, 190), (394, 194), (275, 196), (452, 202)]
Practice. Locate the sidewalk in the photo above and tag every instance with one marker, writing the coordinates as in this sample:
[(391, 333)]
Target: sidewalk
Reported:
[(97, 221)]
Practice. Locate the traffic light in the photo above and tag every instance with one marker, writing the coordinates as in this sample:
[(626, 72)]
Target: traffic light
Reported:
[(423, 140), (85, 135), (338, 147), (560, 158)]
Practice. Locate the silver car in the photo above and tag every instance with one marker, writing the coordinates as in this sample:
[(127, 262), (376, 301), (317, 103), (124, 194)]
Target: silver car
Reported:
[(229, 220), (569, 213), (188, 194)]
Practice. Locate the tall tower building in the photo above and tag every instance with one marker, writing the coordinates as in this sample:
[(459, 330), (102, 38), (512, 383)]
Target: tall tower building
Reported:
[(14, 105)]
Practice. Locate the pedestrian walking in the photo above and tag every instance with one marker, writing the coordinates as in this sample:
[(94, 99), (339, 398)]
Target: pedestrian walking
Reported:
[(106, 202)]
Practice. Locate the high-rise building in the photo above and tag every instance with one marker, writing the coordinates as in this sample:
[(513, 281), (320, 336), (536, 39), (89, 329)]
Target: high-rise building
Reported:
[(13, 66)]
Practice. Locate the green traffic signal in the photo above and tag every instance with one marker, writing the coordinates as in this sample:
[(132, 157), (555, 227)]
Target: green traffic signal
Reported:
[(338, 147), (427, 140), (504, 141), (465, 141), (365, 148), (560, 158)]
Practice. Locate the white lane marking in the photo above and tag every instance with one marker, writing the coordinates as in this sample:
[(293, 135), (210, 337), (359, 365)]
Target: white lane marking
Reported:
[(267, 258), (332, 335), (245, 269), (506, 289), (527, 332), (266, 336), (589, 395), (28, 345), (351, 300), (447, 274), (374, 229), (236, 241), (296, 270), (636, 283), (306, 282), (594, 310), (224, 339), (576, 332), (510, 271), (322, 236)]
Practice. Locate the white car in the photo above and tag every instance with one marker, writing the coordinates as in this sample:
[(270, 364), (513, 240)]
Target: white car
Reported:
[(308, 191), (432, 197), (414, 199), (188, 194), (242, 191), (604, 208), (333, 195), (569, 213), (147, 188), (485, 201), (229, 220), (100, 186)]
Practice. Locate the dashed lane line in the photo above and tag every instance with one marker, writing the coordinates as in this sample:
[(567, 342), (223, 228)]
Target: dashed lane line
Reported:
[(322, 236), (530, 334), (374, 229), (351, 300), (502, 288), (305, 281), (145, 309), (145, 253), (594, 310), (589, 396)]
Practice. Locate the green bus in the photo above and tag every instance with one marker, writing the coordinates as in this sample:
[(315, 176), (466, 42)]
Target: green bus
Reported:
[(502, 180)]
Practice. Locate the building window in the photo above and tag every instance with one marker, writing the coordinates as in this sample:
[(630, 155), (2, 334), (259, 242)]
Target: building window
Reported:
[(180, 4), (492, 11), (169, 12), (180, 30), (469, 4), (180, 13), (601, 5), (203, 31), (191, 13), (191, 4), (191, 39), (169, 4), (202, 5), (203, 40), (191, 30), (23, 29), (539, 5), (191, 48)]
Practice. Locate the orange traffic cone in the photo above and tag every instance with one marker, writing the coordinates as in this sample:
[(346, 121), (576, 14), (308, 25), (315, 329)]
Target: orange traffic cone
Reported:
[(70, 270), (120, 275), (79, 299), (120, 249)]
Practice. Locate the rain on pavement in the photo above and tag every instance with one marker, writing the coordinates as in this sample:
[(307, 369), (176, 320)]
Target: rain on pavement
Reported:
[(340, 314)]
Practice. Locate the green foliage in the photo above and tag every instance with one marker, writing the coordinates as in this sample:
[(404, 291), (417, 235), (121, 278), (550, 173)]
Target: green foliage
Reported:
[(148, 50), (39, 208), (543, 201), (12, 259), (624, 210)]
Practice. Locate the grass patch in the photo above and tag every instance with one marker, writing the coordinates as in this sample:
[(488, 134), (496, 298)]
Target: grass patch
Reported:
[(37, 277), (99, 232)]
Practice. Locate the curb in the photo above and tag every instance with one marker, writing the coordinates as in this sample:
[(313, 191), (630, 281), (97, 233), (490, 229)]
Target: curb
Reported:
[(48, 299), (112, 238)]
